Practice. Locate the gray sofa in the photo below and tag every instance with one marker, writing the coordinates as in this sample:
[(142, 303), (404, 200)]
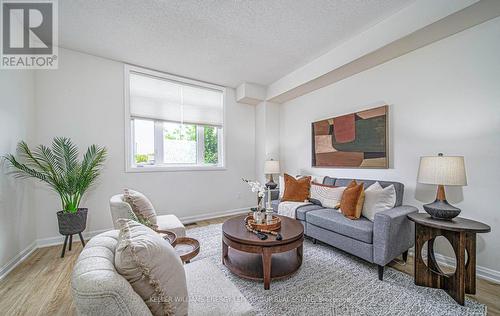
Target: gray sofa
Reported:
[(391, 233)]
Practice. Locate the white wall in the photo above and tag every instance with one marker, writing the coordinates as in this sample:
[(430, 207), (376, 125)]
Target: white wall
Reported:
[(17, 215), (83, 100), (445, 98), (266, 137)]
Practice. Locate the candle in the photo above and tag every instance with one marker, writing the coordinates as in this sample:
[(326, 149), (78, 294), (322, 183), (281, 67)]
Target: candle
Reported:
[(268, 197)]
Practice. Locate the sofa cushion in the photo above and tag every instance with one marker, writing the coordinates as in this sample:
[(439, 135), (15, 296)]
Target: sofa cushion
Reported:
[(329, 181), (152, 267), (330, 219), (399, 187), (301, 211), (97, 288)]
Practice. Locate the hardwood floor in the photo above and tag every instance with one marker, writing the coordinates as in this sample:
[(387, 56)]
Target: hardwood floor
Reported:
[(41, 284), (486, 292)]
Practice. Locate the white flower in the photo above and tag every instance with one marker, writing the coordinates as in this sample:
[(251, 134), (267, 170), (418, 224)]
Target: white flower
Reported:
[(256, 187)]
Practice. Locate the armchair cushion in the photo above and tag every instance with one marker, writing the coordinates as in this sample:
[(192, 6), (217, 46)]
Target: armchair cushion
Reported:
[(393, 233), (172, 223)]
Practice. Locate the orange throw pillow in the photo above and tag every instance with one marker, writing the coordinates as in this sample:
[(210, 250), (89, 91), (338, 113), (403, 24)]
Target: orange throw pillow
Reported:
[(352, 201), (296, 190)]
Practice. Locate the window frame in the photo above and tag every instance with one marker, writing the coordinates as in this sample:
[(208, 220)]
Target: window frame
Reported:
[(130, 165)]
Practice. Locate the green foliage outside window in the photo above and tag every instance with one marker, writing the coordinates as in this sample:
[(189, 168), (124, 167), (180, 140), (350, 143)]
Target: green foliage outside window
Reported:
[(188, 133), (211, 144), (141, 158), (181, 132)]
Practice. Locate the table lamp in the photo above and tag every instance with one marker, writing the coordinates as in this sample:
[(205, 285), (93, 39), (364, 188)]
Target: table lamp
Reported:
[(442, 170), (271, 167)]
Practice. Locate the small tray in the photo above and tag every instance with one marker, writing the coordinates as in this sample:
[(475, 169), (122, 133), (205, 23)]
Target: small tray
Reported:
[(169, 236), (187, 248), (274, 225)]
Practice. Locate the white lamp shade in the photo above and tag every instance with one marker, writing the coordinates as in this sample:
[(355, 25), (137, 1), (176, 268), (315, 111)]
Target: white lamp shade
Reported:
[(272, 167), (442, 170)]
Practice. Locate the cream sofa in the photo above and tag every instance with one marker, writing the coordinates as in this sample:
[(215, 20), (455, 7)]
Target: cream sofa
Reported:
[(98, 289)]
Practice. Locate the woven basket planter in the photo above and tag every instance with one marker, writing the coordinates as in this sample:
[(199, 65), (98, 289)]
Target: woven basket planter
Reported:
[(72, 223)]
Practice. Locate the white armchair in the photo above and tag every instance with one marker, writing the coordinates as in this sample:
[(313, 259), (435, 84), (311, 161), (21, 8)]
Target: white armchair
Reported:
[(121, 209)]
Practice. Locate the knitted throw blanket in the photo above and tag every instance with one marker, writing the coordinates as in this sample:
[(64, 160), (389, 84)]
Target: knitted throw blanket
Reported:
[(289, 209)]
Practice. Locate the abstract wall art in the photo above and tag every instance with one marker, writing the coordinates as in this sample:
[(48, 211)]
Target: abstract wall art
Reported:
[(356, 140)]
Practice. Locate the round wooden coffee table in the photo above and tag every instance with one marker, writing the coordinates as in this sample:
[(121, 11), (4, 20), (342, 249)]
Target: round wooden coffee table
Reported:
[(249, 257)]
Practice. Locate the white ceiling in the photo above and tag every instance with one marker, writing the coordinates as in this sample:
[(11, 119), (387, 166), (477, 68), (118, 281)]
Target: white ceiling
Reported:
[(226, 42)]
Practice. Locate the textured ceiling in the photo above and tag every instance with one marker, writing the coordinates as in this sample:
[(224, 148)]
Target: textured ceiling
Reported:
[(219, 41)]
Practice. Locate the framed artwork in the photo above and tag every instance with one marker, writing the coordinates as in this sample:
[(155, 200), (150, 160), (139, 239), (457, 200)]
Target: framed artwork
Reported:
[(356, 140)]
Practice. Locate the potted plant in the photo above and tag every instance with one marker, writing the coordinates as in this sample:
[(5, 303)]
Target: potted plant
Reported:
[(60, 168)]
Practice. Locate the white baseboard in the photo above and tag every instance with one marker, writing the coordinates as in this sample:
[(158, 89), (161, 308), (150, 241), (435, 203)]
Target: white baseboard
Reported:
[(58, 240), (14, 262), (202, 217), (481, 272), (52, 241)]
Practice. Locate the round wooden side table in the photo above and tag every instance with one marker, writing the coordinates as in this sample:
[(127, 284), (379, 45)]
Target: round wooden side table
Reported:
[(249, 257), (461, 233)]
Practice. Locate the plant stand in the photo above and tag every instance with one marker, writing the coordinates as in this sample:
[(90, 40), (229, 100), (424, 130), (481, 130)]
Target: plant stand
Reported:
[(71, 224), (70, 237)]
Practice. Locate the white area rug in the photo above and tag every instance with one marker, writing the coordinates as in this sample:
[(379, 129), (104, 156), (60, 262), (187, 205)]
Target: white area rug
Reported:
[(332, 282)]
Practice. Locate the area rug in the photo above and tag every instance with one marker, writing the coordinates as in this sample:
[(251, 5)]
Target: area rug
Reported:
[(332, 282)]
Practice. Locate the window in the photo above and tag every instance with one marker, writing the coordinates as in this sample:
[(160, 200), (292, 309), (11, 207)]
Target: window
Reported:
[(172, 123)]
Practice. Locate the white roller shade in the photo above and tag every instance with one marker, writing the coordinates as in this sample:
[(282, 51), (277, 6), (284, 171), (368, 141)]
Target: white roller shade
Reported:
[(162, 99)]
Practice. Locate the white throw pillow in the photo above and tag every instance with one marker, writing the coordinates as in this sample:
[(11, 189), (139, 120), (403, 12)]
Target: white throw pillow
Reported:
[(328, 196), (141, 206), (378, 199)]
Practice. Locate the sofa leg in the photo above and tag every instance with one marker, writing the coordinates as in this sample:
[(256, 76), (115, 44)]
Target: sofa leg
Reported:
[(380, 272), (405, 256), (314, 241)]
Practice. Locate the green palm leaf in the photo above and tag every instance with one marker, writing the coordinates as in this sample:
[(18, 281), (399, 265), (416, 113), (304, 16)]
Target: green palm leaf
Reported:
[(59, 168)]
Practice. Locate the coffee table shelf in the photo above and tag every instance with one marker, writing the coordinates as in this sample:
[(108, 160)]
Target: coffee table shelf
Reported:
[(249, 257)]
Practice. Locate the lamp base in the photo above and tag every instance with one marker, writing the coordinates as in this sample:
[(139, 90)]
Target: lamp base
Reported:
[(442, 210), (271, 184)]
